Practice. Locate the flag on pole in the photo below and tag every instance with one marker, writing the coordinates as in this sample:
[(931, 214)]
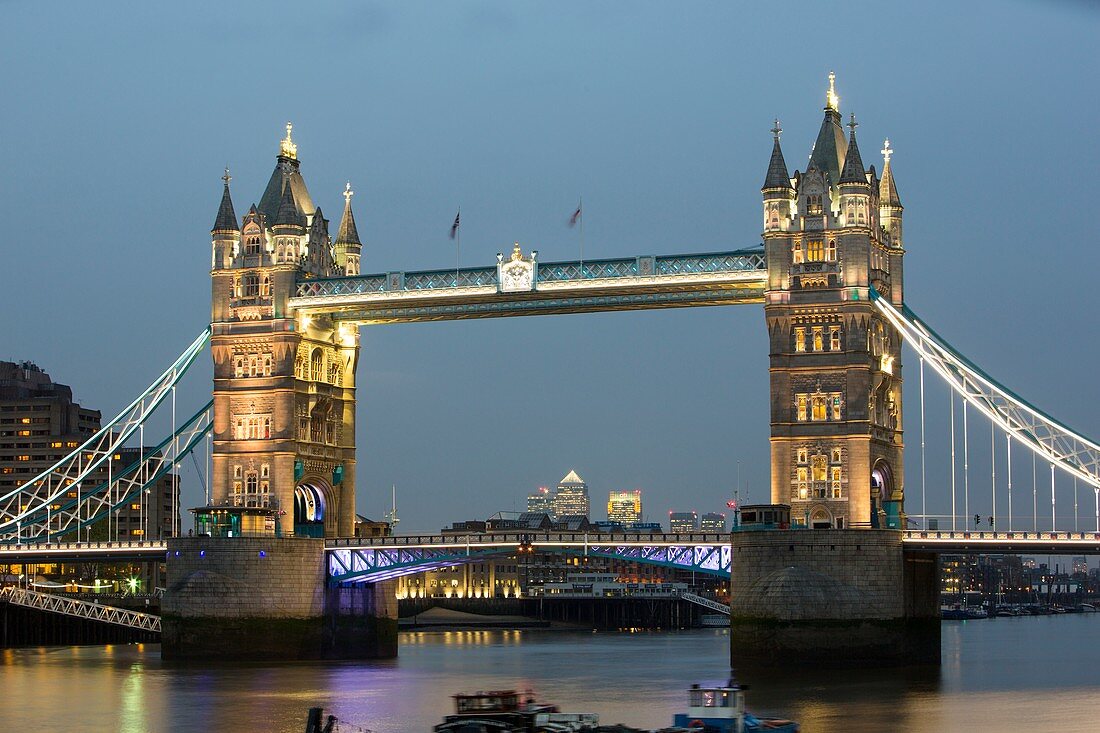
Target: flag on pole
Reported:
[(576, 216), (454, 227)]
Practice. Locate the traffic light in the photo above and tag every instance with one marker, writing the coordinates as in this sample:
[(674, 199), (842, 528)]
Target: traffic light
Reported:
[(991, 522), (977, 519)]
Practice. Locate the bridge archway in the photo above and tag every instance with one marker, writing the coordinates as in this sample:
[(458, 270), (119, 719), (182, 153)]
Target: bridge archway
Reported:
[(821, 518), (311, 508)]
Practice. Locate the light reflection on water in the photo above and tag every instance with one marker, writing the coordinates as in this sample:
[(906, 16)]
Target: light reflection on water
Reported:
[(1006, 674)]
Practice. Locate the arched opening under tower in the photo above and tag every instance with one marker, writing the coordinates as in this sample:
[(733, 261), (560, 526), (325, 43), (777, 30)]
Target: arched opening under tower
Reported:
[(310, 505), (882, 489), (821, 518)]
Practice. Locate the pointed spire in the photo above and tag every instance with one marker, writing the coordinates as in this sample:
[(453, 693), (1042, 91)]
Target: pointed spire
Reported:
[(778, 175), (830, 148), (854, 171), (287, 213), (887, 189), (226, 220), (347, 233)]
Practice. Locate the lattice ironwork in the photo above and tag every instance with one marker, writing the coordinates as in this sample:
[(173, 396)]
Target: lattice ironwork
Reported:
[(596, 269), (371, 565), (38, 494), (740, 261), (1067, 449), (80, 609), (705, 602), (341, 286), (711, 559)]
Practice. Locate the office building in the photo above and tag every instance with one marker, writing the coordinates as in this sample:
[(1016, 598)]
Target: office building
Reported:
[(624, 506), (571, 498), (540, 502), (682, 522), (712, 522)]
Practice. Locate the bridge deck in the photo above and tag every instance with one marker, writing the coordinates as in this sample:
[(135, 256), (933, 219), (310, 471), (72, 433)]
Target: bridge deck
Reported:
[(672, 281), (80, 609)]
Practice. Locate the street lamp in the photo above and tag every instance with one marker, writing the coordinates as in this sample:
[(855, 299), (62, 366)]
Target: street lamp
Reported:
[(525, 551)]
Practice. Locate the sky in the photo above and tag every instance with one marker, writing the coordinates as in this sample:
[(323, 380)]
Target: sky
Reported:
[(119, 118)]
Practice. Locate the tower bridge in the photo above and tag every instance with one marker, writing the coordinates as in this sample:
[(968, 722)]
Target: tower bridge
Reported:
[(288, 302)]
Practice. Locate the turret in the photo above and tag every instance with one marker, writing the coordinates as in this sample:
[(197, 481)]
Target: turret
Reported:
[(347, 248), (889, 205), (855, 191), (226, 235), (779, 201), (830, 148), (288, 229)]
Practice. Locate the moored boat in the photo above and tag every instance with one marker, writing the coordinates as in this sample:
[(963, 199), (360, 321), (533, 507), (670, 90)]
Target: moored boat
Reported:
[(507, 711), (722, 710)]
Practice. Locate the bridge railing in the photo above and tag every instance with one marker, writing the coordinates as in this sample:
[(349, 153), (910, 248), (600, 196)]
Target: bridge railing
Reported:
[(532, 537), (931, 534), (49, 547), (80, 609)]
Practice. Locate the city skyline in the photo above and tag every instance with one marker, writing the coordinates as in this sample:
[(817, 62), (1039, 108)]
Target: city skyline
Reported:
[(517, 157)]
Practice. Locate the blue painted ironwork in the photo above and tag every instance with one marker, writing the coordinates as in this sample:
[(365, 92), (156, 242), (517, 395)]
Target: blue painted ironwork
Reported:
[(709, 559), (744, 260), (372, 565)]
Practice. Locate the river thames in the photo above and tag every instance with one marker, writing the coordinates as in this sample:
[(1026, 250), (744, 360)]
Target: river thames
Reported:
[(1006, 674)]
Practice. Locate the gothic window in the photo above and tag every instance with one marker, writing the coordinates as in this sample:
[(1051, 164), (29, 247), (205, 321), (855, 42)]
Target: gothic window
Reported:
[(279, 253), (800, 339), (836, 405), (265, 470), (252, 244), (265, 286), (796, 255), (237, 471), (818, 407), (251, 482), (802, 455), (819, 468), (830, 251), (334, 374), (801, 400), (238, 431), (252, 366), (803, 493), (238, 367), (815, 250), (835, 484), (836, 455), (300, 367), (267, 365), (813, 205), (250, 286), (834, 338), (818, 339), (315, 362)]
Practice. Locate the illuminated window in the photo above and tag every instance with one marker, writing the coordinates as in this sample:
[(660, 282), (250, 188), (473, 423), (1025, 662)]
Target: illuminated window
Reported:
[(803, 455), (836, 406), (265, 471), (25, 421), (800, 339), (830, 251), (137, 532), (72, 444), (22, 458), (834, 338), (801, 407), (23, 433), (836, 455), (135, 507), (238, 367), (819, 468), (265, 286), (267, 365), (797, 256), (818, 339), (56, 444), (818, 407), (252, 244), (813, 205), (803, 475), (250, 286), (836, 482), (8, 469), (237, 472), (815, 251)]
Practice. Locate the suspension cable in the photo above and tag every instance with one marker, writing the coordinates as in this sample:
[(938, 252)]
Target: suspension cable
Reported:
[(923, 492), (954, 512), (966, 468), (1008, 450), (993, 470)]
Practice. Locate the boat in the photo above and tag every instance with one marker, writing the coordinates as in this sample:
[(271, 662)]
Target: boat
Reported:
[(722, 710), (507, 711)]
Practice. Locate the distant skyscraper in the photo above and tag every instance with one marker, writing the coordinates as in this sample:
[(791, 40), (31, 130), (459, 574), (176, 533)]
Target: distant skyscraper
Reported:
[(681, 522), (712, 522), (571, 498), (1080, 565), (541, 502), (624, 506)]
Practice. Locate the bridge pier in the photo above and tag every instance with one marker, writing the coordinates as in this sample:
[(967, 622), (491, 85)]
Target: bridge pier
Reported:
[(832, 597), (265, 598)]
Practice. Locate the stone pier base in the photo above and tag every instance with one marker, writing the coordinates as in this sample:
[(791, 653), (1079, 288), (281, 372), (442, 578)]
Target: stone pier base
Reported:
[(832, 597), (265, 598)]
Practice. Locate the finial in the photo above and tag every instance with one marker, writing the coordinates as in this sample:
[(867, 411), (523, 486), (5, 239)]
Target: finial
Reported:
[(348, 193), (227, 178), (886, 151), (832, 101), (287, 147), (517, 253), (852, 124), (776, 130)]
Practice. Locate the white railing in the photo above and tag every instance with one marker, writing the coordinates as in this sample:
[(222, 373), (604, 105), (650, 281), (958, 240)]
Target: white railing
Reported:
[(80, 609)]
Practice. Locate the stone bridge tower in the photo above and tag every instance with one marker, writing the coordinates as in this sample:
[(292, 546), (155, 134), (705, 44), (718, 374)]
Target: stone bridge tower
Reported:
[(284, 382), (831, 233)]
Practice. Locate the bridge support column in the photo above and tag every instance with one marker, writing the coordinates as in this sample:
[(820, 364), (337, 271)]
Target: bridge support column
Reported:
[(265, 598), (832, 597)]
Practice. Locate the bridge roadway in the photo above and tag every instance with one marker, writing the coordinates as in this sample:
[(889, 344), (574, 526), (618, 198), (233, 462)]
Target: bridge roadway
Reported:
[(378, 558)]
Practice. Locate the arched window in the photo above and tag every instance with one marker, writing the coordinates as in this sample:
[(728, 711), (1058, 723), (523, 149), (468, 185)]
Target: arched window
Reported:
[(316, 359), (265, 286), (818, 407), (238, 366)]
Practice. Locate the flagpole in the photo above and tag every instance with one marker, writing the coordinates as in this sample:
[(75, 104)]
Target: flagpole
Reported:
[(580, 208), (458, 244)]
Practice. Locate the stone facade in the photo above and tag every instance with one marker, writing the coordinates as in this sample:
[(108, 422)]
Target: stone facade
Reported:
[(266, 599), (831, 233), (284, 382), (832, 596)]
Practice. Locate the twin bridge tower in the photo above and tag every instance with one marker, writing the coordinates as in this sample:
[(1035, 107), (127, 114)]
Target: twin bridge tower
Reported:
[(288, 300)]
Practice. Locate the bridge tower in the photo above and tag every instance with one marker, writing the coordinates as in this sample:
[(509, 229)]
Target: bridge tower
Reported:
[(831, 233), (284, 383)]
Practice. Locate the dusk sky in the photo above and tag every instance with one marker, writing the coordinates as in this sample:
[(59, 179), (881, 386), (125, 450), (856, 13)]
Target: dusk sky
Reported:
[(119, 118)]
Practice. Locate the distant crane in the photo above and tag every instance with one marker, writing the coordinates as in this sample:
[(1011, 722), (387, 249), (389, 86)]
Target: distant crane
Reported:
[(391, 515)]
